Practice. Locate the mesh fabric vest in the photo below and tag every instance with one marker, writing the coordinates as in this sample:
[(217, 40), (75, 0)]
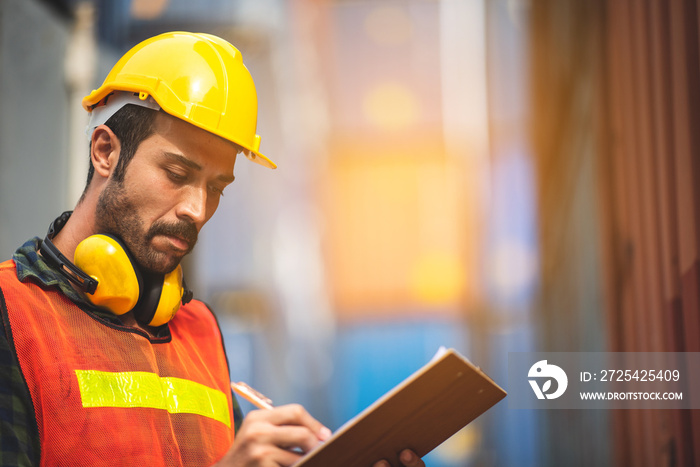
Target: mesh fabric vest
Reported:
[(106, 395)]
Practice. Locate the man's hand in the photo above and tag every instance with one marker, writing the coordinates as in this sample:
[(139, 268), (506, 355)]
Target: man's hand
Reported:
[(276, 437), (407, 457)]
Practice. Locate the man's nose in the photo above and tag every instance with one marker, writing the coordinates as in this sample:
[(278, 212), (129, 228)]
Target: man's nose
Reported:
[(193, 206)]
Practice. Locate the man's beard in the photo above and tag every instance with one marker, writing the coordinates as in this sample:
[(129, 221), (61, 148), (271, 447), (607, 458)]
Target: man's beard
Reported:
[(116, 214)]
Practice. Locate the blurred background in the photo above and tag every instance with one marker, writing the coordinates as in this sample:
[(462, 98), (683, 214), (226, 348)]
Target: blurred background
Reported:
[(490, 175)]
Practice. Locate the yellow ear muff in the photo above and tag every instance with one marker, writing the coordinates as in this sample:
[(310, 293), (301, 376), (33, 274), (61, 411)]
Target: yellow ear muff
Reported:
[(154, 298), (170, 298), (104, 259)]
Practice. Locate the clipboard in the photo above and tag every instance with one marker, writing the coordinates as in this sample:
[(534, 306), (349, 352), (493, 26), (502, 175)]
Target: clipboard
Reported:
[(419, 414)]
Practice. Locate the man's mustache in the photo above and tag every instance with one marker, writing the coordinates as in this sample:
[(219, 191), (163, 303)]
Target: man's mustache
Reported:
[(184, 230)]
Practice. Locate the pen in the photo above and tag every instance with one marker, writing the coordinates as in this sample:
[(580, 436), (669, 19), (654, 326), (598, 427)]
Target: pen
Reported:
[(251, 395)]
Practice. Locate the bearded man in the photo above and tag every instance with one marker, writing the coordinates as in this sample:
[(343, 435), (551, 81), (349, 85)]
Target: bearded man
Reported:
[(104, 357)]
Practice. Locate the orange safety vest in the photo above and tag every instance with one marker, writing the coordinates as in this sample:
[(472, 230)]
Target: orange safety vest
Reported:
[(106, 395)]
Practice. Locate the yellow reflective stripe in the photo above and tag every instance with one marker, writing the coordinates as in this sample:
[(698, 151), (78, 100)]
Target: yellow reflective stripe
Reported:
[(144, 389), (186, 396)]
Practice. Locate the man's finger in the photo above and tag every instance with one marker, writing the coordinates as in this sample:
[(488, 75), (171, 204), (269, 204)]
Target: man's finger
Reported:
[(409, 459), (295, 414), (291, 437)]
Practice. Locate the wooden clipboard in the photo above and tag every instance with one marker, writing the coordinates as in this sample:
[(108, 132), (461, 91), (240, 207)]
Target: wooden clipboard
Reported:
[(420, 413)]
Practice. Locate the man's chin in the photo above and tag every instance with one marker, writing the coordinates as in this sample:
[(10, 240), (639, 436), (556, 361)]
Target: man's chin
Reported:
[(164, 264)]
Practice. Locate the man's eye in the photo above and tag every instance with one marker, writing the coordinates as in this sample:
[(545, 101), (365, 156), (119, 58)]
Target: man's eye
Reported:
[(217, 191), (176, 177)]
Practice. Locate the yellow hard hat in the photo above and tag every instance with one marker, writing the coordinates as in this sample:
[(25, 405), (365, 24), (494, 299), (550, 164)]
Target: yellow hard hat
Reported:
[(197, 77)]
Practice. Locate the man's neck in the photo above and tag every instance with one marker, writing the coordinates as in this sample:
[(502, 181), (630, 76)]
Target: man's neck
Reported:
[(130, 321), (78, 227)]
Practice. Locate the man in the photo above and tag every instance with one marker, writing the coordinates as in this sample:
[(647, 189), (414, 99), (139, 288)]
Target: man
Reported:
[(104, 360)]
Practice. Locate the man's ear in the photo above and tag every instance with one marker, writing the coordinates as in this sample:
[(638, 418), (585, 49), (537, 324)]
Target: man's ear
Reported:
[(104, 150)]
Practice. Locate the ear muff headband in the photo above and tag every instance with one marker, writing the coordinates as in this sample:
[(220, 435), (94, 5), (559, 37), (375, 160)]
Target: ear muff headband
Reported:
[(54, 257)]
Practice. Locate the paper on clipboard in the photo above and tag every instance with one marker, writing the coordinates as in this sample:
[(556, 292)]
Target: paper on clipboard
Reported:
[(420, 413)]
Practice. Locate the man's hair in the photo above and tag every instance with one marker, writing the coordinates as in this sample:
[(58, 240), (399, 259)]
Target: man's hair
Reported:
[(131, 124)]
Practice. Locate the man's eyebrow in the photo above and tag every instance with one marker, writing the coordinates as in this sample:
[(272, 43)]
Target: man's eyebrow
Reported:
[(179, 158), (226, 178)]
